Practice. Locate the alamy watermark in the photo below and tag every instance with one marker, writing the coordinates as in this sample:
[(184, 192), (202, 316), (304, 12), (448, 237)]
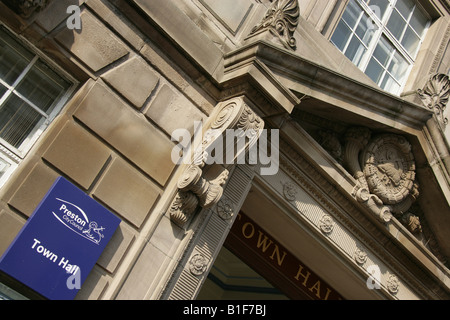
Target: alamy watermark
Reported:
[(74, 20), (374, 280), (232, 146)]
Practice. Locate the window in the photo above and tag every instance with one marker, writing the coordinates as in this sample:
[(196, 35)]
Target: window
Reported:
[(382, 38), (31, 94)]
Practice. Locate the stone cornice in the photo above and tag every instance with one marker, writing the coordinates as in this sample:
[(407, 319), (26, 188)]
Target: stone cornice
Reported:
[(324, 84)]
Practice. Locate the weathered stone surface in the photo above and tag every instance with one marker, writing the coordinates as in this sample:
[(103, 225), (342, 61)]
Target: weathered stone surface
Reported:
[(134, 79), (10, 226), (34, 187), (172, 111), (93, 44), (116, 248), (78, 154), (126, 131), (127, 191), (55, 13), (230, 13)]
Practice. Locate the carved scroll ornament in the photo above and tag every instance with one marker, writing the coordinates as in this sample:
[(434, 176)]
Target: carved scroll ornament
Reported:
[(435, 95), (385, 171), (281, 20), (26, 8), (194, 189)]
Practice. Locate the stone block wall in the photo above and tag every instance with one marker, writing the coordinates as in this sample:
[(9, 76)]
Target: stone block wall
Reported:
[(113, 137)]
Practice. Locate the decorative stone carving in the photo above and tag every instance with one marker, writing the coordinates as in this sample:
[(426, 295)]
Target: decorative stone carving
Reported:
[(26, 8), (289, 190), (225, 209), (385, 171), (393, 284), (281, 20), (360, 256), (198, 265), (183, 206), (435, 95), (412, 223), (389, 168), (208, 192), (330, 142), (193, 188), (326, 224)]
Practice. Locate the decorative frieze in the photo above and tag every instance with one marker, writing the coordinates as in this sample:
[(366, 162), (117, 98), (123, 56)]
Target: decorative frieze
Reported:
[(281, 20), (435, 95)]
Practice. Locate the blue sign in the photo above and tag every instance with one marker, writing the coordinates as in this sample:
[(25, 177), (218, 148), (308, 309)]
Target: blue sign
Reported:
[(60, 242)]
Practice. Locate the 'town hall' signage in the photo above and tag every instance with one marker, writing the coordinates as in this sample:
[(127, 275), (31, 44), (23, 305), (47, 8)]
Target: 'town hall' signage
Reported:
[(60, 242)]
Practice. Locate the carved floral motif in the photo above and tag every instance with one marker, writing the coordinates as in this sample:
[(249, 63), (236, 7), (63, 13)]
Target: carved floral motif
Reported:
[(289, 190), (225, 209), (281, 20), (435, 95), (198, 264), (326, 223)]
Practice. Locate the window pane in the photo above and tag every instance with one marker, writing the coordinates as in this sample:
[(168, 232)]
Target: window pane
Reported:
[(383, 51), (13, 58), (396, 24), (341, 35), (2, 90), (42, 86), (379, 7), (355, 51), (352, 13), (17, 120), (411, 42), (390, 85), (398, 67), (418, 21), (366, 29), (405, 7), (374, 70)]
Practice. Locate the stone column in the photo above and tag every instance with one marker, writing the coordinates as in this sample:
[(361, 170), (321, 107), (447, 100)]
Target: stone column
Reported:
[(210, 206)]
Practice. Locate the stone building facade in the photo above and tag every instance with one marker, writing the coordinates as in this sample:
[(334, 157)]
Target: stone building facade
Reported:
[(350, 95)]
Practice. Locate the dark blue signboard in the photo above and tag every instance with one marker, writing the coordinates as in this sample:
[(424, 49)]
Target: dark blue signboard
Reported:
[(60, 243)]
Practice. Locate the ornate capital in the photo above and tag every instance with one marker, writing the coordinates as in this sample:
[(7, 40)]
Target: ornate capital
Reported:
[(26, 8), (194, 189), (281, 20), (435, 95)]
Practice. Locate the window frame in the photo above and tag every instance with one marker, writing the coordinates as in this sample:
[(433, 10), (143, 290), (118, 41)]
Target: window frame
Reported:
[(8, 153), (383, 31)]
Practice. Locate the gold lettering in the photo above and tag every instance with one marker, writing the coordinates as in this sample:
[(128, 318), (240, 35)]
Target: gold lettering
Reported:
[(244, 227), (277, 251), (299, 273), (263, 242), (327, 294), (316, 287)]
